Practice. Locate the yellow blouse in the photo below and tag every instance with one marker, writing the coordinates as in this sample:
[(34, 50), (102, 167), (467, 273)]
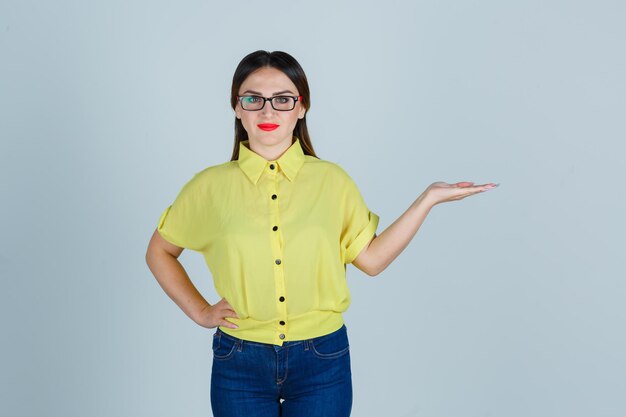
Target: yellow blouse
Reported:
[(276, 236)]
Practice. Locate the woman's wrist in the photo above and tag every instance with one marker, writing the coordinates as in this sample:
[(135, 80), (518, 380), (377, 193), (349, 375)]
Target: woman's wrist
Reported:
[(423, 202), (200, 316)]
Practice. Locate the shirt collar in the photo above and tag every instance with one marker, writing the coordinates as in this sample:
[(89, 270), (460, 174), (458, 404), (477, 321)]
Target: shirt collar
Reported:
[(253, 164)]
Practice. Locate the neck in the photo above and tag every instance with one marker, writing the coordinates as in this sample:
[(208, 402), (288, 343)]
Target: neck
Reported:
[(272, 151)]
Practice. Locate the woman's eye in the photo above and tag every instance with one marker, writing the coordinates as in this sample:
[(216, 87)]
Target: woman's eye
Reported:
[(281, 100)]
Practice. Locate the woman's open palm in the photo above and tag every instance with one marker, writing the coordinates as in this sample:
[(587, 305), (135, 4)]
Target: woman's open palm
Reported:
[(440, 192)]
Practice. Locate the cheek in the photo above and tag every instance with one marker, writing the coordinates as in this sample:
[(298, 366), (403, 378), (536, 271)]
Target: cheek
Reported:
[(292, 119), (247, 121)]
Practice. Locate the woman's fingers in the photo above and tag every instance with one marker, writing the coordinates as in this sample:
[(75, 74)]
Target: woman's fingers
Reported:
[(231, 313), (227, 312), (489, 186), (228, 324), (482, 187), (224, 310), (469, 184), (226, 305)]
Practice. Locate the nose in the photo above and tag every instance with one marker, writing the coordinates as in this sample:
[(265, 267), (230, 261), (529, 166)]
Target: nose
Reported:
[(267, 108)]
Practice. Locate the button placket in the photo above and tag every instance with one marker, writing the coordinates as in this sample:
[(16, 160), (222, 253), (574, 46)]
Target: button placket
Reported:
[(277, 251)]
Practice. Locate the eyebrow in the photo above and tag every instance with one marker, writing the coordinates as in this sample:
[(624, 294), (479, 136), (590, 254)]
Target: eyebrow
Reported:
[(276, 93)]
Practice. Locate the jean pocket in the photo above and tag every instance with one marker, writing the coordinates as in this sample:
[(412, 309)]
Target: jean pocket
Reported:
[(223, 347), (332, 345)]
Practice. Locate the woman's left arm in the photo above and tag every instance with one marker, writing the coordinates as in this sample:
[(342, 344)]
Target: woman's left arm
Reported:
[(386, 247)]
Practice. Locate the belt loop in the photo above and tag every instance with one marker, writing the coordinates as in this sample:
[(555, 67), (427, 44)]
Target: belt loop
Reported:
[(306, 344), (239, 345)]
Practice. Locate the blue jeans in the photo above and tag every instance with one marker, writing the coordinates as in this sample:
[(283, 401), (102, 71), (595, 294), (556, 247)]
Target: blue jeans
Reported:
[(302, 378)]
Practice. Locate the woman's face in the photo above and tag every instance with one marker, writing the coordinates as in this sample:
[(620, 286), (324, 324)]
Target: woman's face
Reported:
[(268, 82)]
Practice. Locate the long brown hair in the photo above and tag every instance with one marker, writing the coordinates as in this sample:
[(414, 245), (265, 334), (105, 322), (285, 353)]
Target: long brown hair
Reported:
[(292, 69)]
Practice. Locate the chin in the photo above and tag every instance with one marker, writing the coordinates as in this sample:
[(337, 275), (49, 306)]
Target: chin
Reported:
[(268, 138)]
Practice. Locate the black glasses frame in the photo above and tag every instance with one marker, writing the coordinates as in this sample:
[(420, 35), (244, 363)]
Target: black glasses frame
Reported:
[(271, 100)]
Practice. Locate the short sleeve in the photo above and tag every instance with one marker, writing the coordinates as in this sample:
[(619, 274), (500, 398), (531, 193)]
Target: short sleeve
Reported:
[(181, 222), (359, 223)]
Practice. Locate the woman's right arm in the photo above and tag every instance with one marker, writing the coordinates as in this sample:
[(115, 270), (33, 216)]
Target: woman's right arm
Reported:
[(162, 259)]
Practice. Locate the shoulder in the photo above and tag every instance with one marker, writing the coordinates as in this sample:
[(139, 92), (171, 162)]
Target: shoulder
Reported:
[(329, 169), (216, 170), (213, 173), (204, 181)]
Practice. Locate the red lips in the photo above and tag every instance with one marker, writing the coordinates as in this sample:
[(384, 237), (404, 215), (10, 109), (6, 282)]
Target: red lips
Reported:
[(267, 126)]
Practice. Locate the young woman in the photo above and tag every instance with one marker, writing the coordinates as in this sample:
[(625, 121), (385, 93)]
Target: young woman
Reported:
[(277, 226)]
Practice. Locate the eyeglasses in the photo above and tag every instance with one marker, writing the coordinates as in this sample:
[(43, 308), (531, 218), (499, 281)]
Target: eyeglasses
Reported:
[(280, 103)]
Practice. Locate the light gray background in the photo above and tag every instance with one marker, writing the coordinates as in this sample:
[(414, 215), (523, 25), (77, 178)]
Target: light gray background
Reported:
[(508, 303)]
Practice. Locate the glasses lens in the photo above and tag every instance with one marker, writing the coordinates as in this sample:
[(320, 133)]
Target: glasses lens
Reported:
[(251, 102), (284, 103)]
